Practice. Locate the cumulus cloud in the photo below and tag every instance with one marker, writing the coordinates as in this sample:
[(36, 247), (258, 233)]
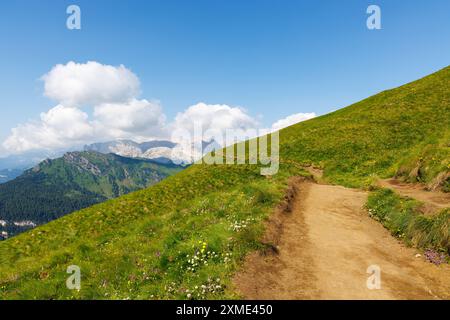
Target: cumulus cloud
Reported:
[(111, 92), (58, 128), (91, 83), (292, 119), (117, 113), (215, 119), (219, 116), (126, 120)]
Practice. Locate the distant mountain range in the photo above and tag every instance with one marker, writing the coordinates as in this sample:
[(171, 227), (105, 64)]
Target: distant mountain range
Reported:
[(77, 180), (9, 174), (158, 150), (27, 160), (162, 151), (14, 165)]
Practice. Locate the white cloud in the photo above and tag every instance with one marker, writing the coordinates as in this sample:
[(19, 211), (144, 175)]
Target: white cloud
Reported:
[(58, 128), (139, 120), (118, 114), (217, 116), (110, 90), (292, 119), (91, 83), (136, 118), (63, 127), (214, 118)]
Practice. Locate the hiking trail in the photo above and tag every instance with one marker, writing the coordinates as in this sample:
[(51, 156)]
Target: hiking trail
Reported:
[(433, 201), (324, 247)]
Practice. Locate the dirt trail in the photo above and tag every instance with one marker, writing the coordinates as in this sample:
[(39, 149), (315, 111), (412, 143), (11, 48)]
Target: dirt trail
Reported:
[(324, 247), (433, 200)]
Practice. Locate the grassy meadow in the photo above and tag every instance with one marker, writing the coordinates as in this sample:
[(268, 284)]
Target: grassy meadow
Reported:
[(186, 236)]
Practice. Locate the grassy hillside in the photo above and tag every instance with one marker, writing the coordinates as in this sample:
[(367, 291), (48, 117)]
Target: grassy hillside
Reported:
[(185, 236), (389, 133), (402, 216), (75, 181)]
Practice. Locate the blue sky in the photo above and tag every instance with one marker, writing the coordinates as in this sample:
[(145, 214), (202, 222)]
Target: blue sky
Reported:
[(274, 58)]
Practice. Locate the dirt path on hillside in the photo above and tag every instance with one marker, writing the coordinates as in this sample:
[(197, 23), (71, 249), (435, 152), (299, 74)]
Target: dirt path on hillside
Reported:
[(324, 248), (434, 201)]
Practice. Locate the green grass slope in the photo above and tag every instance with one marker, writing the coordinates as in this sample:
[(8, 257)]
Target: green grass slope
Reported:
[(75, 181), (387, 134), (186, 236), (403, 218)]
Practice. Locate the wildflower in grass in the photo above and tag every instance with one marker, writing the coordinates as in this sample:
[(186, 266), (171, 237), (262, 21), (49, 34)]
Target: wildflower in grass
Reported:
[(208, 288), (241, 225)]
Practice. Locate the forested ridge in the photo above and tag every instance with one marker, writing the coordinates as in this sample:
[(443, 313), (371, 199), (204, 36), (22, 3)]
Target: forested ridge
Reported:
[(78, 180)]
